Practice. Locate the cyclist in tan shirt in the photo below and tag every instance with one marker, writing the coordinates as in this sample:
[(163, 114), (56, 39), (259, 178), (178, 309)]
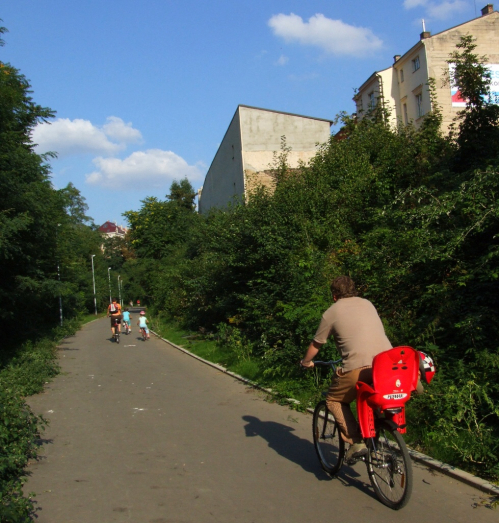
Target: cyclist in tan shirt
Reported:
[(359, 335)]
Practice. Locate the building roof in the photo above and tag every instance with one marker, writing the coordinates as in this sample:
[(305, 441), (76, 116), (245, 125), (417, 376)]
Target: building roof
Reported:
[(369, 79), (441, 33), (112, 227), (283, 112)]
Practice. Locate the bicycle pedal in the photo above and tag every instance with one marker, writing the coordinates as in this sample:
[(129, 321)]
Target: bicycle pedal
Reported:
[(355, 459)]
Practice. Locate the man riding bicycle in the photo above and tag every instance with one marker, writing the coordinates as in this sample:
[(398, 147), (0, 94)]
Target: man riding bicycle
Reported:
[(114, 311), (359, 336)]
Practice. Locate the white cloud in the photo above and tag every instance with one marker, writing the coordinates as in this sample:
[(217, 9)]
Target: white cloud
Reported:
[(142, 169), (283, 60), (122, 132), (445, 10), (438, 10), (332, 36), (68, 137)]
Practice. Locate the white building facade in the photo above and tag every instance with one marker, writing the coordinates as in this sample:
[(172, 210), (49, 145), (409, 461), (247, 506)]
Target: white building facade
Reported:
[(403, 89), (248, 149)]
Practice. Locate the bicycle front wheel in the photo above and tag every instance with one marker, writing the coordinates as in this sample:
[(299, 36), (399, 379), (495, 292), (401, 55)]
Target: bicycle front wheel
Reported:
[(328, 443), (389, 467)]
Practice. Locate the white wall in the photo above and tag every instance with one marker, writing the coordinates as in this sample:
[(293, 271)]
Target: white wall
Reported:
[(248, 149), (224, 179)]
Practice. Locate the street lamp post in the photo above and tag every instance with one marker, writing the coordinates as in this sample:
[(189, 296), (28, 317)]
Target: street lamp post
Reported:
[(119, 290), (59, 276), (93, 279), (109, 278)]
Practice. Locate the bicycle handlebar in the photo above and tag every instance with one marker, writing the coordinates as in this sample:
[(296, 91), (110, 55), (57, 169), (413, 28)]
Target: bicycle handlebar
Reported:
[(331, 363)]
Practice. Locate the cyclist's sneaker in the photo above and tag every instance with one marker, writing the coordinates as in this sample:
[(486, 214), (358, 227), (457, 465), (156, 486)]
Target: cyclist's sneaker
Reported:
[(356, 451)]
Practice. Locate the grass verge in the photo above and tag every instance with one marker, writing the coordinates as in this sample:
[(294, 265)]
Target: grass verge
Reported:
[(24, 370), (306, 388)]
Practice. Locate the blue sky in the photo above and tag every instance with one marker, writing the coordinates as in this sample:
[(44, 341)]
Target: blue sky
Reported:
[(145, 90)]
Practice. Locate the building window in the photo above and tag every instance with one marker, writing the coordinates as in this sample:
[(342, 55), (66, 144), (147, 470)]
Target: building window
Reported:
[(401, 75), (372, 100), (406, 117), (419, 104), (415, 64)]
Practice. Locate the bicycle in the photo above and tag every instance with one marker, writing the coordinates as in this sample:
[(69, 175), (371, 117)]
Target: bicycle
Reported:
[(381, 414), (116, 335), (144, 334), (127, 327)]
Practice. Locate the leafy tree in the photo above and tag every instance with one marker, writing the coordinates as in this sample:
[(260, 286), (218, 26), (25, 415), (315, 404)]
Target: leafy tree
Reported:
[(41, 228), (401, 212), (182, 194), (478, 137), (28, 204), (74, 205)]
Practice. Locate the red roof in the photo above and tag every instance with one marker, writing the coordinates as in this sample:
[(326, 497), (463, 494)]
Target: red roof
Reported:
[(112, 227)]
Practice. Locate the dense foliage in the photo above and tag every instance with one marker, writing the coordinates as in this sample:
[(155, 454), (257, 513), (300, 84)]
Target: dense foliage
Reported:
[(23, 372), (409, 213), (46, 244), (45, 239)]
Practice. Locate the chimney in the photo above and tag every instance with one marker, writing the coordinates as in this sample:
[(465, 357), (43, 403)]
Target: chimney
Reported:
[(424, 34), (396, 58), (489, 8)]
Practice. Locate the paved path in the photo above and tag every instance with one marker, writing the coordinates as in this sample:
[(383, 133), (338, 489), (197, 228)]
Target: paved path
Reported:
[(141, 432)]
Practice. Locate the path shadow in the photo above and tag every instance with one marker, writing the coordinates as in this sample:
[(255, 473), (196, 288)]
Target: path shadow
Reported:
[(63, 345), (301, 451), (39, 442)]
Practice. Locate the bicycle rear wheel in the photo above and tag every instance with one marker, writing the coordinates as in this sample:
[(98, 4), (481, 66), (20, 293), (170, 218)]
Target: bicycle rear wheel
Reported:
[(328, 443), (389, 467), (144, 335)]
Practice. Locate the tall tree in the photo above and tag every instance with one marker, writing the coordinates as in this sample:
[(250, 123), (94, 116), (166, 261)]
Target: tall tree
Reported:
[(182, 194), (478, 137)]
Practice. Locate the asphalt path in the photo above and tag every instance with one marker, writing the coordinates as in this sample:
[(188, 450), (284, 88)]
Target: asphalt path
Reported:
[(141, 432)]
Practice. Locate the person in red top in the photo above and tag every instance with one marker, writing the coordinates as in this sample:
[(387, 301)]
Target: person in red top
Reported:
[(114, 311)]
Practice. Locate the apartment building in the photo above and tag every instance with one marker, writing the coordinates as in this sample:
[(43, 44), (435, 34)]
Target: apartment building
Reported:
[(246, 154), (402, 87)]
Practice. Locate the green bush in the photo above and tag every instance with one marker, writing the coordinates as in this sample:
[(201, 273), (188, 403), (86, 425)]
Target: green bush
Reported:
[(23, 372), (409, 213)]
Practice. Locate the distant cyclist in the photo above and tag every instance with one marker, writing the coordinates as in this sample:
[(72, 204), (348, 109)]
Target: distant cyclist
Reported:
[(114, 312), (126, 319), (142, 323)]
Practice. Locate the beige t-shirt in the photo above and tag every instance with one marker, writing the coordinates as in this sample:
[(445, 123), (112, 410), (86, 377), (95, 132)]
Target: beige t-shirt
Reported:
[(357, 331)]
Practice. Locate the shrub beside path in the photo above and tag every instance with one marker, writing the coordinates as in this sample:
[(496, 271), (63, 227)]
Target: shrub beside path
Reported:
[(142, 432)]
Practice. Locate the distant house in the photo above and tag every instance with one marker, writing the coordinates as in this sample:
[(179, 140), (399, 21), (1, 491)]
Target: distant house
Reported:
[(248, 149), (402, 87), (112, 229)]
